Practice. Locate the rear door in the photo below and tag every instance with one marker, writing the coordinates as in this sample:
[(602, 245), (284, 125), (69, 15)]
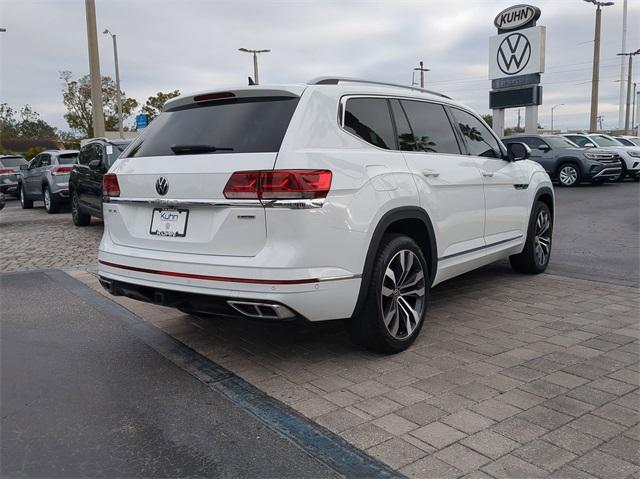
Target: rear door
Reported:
[(32, 176), (172, 179), (449, 183)]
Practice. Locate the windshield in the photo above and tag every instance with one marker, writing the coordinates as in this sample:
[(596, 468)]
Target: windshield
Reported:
[(239, 125), (12, 162), (602, 140), (625, 142), (635, 141), (559, 142), (68, 159)]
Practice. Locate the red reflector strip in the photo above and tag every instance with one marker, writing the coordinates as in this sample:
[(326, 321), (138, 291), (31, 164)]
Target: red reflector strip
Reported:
[(205, 277)]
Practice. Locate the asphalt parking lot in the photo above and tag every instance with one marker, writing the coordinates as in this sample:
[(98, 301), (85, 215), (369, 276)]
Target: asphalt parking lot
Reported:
[(512, 377)]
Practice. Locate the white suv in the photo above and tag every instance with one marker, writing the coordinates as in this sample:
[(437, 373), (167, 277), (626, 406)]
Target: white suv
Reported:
[(335, 199)]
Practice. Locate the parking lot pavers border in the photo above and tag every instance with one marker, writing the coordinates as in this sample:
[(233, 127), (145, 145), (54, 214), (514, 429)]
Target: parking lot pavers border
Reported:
[(325, 446)]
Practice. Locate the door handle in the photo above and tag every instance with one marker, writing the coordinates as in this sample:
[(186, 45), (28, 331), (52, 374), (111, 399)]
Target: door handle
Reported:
[(430, 174), (487, 174)]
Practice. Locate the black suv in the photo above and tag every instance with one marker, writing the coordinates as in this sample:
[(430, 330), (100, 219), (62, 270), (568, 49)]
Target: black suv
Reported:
[(85, 182), (567, 162)]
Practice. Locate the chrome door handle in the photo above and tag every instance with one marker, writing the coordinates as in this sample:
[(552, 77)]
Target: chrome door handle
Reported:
[(487, 174), (430, 174)]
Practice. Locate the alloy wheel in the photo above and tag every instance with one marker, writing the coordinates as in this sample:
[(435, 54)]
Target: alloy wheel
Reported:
[(22, 196), (542, 239), (568, 175), (47, 199), (403, 294)]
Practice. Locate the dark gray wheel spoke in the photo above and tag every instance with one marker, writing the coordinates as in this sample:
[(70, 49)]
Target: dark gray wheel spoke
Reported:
[(542, 239)]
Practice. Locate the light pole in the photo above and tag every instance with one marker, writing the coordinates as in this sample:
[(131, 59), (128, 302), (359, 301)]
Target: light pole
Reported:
[(421, 69), (596, 64), (623, 64), (97, 111), (633, 110), (627, 114), (255, 61), (553, 108), (118, 93)]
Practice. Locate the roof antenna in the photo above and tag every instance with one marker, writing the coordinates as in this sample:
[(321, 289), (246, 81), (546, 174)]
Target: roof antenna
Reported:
[(251, 82)]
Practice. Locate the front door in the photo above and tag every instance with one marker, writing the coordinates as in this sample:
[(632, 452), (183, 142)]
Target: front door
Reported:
[(505, 182), (448, 182)]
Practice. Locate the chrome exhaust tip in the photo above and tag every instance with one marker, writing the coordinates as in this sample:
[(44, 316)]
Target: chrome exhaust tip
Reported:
[(254, 309)]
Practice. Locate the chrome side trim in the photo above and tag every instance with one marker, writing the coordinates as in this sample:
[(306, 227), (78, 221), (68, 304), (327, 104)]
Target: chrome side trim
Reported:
[(480, 248), (339, 278), (169, 202)]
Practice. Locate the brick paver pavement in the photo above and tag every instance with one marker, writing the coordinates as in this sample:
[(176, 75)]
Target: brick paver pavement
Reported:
[(512, 377)]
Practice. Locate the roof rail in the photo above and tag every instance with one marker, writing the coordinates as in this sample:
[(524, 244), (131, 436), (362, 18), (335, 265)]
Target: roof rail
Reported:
[(337, 80)]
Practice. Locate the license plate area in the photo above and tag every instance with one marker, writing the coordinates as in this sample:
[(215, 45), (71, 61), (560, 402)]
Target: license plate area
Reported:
[(170, 222)]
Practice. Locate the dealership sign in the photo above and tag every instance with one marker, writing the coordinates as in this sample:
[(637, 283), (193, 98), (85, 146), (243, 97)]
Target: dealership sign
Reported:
[(518, 16), (520, 52)]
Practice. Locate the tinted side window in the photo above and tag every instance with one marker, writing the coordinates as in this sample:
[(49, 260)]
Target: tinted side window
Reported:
[(406, 140), (87, 154), (432, 131), (45, 159), (529, 141), (369, 118), (579, 140), (479, 139)]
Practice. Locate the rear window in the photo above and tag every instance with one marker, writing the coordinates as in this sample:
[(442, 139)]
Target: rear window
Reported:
[(240, 125), (12, 162), (68, 159)]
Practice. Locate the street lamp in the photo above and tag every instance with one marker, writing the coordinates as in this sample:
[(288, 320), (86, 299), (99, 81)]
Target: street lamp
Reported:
[(596, 63), (630, 55), (119, 95), (553, 108), (2, 30), (421, 69), (255, 61)]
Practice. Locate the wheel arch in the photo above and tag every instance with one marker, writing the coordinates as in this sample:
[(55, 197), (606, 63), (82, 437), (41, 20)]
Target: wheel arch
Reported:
[(415, 223), (545, 195)]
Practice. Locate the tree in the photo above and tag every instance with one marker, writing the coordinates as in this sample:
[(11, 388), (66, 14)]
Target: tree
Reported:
[(488, 118), (76, 96), (25, 124), (155, 103)]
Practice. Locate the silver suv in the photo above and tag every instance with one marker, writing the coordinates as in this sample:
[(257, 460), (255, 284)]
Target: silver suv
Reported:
[(46, 178)]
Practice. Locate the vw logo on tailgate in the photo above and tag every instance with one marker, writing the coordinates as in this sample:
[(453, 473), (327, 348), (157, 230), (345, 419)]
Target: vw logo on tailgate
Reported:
[(514, 53), (162, 186)]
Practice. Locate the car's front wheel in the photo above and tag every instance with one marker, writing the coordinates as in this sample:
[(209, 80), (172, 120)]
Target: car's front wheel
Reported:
[(535, 256), (569, 174), (396, 300), (24, 201), (79, 217)]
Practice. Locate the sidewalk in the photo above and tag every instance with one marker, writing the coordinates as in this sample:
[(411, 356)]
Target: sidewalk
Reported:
[(512, 376)]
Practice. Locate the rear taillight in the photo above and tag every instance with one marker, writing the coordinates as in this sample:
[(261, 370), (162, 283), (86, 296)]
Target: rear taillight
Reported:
[(61, 170), (110, 186), (278, 184), (6, 172)]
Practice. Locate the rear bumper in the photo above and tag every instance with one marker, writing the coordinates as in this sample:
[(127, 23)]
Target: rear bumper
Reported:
[(208, 289)]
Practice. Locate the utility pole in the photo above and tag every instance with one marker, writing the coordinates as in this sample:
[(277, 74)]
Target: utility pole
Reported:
[(623, 65), (628, 108), (118, 92), (255, 61), (600, 120), (519, 110), (97, 111), (633, 110), (596, 63), (553, 108), (421, 69)]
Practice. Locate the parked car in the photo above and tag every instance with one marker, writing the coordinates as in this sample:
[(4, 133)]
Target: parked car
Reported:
[(566, 162), (336, 199), (85, 181), (46, 178), (628, 140), (630, 156), (9, 172)]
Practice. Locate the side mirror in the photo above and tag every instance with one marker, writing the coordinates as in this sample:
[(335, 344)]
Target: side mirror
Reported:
[(94, 164), (589, 145), (24, 167), (518, 151), (544, 148)]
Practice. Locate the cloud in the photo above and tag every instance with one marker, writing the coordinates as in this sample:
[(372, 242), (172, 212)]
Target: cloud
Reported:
[(192, 45)]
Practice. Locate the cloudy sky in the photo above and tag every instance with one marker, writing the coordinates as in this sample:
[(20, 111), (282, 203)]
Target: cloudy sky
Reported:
[(192, 45)]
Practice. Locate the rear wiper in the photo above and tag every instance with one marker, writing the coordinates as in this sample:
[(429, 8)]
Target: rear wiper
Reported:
[(196, 149)]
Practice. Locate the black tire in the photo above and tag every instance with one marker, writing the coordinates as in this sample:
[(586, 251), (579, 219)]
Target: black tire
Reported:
[(79, 217), (529, 260), (623, 173), (51, 204), (368, 328), (26, 203), (569, 174)]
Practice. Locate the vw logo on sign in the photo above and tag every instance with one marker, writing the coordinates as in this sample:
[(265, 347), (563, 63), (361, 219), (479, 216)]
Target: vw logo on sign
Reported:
[(162, 186), (514, 54)]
